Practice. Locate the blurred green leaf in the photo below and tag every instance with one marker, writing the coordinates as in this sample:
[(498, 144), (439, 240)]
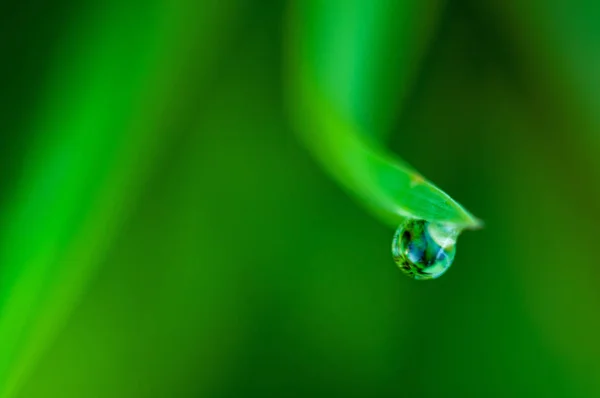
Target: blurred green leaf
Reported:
[(115, 86), (338, 56)]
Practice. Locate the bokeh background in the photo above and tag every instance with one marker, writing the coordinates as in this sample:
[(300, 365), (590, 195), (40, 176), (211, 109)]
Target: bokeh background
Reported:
[(165, 233)]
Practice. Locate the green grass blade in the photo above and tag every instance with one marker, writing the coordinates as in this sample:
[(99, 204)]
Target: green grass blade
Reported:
[(335, 127)]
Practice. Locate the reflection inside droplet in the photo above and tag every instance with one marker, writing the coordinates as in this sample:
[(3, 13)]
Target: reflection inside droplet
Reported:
[(424, 250)]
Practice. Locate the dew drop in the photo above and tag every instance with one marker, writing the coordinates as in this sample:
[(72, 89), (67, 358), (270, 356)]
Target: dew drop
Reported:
[(424, 250)]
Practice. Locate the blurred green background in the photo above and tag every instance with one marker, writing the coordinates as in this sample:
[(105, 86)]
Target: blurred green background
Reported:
[(165, 233)]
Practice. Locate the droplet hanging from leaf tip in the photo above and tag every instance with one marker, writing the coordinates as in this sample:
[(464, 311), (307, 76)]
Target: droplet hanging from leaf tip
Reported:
[(424, 250)]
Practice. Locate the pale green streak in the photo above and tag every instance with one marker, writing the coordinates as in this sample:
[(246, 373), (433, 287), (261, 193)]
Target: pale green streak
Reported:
[(101, 129), (69, 203)]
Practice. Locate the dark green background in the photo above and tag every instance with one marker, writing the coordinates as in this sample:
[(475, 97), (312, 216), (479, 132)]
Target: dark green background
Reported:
[(165, 234)]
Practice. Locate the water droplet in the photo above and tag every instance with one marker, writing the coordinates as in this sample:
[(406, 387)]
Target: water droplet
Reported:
[(424, 250)]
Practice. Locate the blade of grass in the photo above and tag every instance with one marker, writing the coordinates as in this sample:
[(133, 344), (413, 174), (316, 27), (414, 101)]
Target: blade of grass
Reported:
[(334, 113)]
